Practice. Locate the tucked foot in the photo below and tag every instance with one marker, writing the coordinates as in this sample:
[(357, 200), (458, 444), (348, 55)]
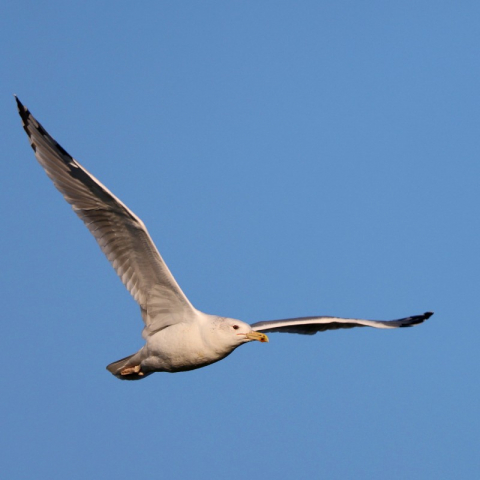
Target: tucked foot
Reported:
[(130, 370)]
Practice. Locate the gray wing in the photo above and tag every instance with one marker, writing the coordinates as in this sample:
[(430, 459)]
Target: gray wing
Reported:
[(122, 236), (312, 325)]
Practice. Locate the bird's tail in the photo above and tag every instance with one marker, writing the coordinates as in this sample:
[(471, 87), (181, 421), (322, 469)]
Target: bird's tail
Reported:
[(128, 368)]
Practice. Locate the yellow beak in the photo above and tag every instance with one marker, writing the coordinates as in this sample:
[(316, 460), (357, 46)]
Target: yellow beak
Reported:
[(261, 337)]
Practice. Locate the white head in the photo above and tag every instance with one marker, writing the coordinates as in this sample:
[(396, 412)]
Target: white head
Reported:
[(235, 332)]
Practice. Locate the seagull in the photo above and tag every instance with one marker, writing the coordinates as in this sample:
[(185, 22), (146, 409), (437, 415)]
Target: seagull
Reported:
[(178, 337)]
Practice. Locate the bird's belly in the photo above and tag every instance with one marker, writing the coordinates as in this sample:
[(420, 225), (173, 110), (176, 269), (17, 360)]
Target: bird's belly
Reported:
[(177, 349)]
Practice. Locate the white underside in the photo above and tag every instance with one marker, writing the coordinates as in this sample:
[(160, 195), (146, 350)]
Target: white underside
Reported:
[(185, 346)]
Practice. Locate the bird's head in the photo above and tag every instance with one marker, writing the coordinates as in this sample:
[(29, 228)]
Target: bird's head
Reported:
[(238, 332)]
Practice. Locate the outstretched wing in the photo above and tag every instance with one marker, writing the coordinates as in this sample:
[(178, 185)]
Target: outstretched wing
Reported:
[(312, 325), (122, 236)]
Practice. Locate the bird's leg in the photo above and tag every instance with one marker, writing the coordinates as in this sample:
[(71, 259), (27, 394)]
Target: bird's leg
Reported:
[(130, 370)]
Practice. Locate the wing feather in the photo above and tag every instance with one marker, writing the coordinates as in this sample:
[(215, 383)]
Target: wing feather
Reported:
[(312, 325), (121, 235)]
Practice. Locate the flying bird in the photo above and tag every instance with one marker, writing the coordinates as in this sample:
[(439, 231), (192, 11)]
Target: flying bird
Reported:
[(178, 337)]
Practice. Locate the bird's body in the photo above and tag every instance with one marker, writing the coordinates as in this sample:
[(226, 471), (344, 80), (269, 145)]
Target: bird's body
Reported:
[(178, 337), (188, 345)]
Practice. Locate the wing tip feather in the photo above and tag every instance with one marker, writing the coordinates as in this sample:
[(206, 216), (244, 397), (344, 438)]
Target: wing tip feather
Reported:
[(416, 320), (23, 111)]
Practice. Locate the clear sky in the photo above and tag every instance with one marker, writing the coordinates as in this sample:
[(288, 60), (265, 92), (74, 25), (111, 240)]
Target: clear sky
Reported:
[(289, 159)]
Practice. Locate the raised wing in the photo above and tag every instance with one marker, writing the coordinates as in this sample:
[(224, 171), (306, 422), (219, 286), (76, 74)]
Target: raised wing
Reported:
[(122, 236), (312, 325)]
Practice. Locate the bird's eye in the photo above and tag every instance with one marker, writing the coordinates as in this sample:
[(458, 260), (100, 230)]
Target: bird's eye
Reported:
[(236, 327)]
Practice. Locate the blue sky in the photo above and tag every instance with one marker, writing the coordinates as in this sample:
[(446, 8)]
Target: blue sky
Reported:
[(289, 159)]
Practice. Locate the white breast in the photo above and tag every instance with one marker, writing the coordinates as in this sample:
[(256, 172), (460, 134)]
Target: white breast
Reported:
[(183, 346)]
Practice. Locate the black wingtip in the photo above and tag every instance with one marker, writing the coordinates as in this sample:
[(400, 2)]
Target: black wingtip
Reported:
[(19, 103), (22, 110), (416, 319)]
